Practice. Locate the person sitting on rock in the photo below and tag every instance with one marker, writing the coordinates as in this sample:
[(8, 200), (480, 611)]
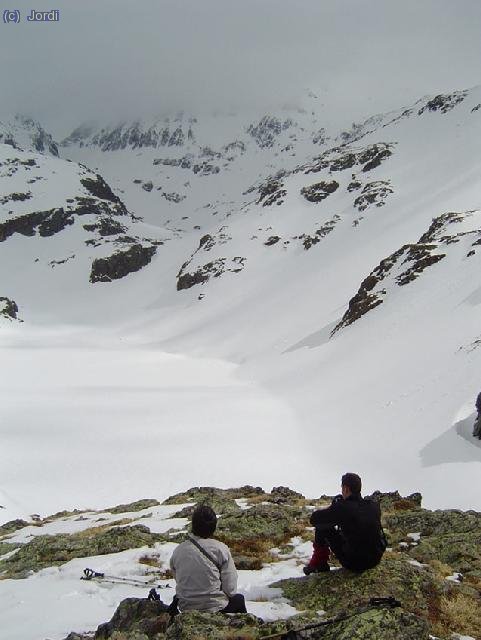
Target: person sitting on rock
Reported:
[(477, 422), (350, 527), (204, 571)]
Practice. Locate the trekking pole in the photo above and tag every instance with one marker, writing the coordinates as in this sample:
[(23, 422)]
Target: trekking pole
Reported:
[(90, 574)]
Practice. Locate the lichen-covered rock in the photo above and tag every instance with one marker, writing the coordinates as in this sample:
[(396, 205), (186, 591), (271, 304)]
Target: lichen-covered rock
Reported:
[(415, 587), (138, 505), (53, 550), (200, 494), (12, 525), (251, 534), (121, 263), (195, 625), (136, 616), (377, 624), (282, 495)]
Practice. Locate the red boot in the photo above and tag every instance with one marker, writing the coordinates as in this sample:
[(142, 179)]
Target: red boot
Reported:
[(319, 561)]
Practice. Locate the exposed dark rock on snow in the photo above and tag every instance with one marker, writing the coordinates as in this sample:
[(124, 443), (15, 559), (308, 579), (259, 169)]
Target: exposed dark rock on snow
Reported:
[(373, 193), (47, 222), (444, 102), (338, 159), (189, 275), (106, 226), (173, 197), (213, 269), (39, 139), (308, 241), (16, 197), (148, 186), (205, 168), (9, 310), (100, 189), (271, 240), (85, 206), (410, 261), (135, 136), (121, 263), (319, 190), (184, 163), (320, 137), (271, 192), (267, 130), (354, 185)]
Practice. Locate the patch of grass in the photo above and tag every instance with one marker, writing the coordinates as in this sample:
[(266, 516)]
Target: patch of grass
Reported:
[(103, 527), (441, 569), (458, 613)]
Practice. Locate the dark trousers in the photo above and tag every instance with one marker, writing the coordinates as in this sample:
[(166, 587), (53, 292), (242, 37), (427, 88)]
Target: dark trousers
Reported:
[(358, 560), (332, 538), (236, 604)]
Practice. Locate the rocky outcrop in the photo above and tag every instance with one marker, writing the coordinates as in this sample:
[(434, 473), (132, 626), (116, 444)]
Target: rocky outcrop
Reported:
[(309, 241), (444, 102), (271, 192), (373, 193), (121, 263), (100, 189), (16, 197), (48, 223), (319, 190), (52, 550), (106, 226), (8, 310), (213, 269), (190, 275), (137, 617), (338, 159), (407, 263), (267, 130)]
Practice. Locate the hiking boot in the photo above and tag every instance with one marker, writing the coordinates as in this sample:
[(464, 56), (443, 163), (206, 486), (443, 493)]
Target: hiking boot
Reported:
[(320, 568)]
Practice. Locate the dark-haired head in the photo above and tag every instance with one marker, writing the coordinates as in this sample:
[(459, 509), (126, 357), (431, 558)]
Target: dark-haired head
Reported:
[(353, 482), (204, 521)]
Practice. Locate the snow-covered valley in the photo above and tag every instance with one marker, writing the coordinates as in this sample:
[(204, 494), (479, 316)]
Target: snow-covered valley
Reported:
[(289, 302)]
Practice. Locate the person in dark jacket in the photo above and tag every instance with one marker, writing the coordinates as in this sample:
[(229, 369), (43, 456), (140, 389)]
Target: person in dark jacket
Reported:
[(477, 422), (350, 528)]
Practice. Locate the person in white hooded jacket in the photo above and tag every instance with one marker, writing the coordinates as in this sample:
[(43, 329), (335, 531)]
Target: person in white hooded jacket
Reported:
[(204, 571)]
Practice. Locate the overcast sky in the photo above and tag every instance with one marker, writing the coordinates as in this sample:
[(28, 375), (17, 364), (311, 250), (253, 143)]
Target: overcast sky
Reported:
[(116, 58)]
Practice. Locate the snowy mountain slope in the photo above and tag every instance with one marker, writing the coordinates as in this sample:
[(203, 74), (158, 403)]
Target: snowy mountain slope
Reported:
[(261, 261), (57, 213), (24, 133)]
